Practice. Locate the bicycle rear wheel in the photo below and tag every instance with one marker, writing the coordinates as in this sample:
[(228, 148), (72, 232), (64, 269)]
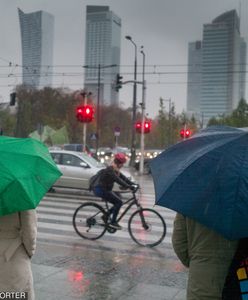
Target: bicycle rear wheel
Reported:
[(88, 221), (147, 227)]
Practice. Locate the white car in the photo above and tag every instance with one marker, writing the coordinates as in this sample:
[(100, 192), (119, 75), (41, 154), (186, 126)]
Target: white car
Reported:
[(77, 168)]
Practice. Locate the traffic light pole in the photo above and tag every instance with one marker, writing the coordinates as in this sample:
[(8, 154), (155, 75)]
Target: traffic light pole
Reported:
[(133, 138), (85, 126), (99, 67), (143, 104), (98, 107)]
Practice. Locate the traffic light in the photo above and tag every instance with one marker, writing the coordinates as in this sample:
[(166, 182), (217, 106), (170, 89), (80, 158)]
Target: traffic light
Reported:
[(185, 133), (147, 126), (118, 84), (85, 113), (138, 126)]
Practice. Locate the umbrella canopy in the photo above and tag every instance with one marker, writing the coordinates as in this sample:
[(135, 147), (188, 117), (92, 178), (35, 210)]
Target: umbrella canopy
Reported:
[(206, 178), (27, 171)]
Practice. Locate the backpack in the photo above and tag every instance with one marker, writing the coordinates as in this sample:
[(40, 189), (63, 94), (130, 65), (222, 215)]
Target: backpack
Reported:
[(94, 180)]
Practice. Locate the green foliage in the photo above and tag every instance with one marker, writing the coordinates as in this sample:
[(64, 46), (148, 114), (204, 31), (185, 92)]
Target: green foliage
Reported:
[(56, 108), (7, 122), (238, 118)]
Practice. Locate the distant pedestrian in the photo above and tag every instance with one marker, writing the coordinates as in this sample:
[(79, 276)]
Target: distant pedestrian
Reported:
[(206, 253), (17, 245)]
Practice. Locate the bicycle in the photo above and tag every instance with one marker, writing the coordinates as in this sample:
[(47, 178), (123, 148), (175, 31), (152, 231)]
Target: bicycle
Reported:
[(91, 221)]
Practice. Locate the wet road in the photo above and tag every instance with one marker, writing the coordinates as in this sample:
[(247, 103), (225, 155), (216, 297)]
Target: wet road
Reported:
[(113, 267)]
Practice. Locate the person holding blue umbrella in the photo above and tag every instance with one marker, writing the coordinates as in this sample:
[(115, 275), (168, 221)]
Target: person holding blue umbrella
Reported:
[(205, 180), (206, 253)]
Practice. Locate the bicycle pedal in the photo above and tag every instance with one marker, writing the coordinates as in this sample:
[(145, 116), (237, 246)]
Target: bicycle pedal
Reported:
[(111, 230)]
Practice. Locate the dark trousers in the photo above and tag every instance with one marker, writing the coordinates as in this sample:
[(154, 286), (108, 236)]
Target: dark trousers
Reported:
[(110, 197)]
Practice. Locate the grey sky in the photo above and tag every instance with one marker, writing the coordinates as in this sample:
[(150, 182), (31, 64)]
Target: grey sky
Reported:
[(163, 27)]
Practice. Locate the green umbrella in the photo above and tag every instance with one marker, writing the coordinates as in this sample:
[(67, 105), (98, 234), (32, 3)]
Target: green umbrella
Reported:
[(27, 171)]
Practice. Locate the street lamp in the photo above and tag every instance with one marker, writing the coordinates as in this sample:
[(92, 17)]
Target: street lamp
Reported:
[(133, 140), (143, 107), (99, 67)]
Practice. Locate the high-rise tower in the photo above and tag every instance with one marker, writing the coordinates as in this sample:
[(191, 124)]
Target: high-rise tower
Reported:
[(37, 34), (102, 51), (223, 61)]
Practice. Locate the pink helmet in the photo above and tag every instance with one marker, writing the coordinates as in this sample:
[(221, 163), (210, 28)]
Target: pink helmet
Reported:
[(120, 158)]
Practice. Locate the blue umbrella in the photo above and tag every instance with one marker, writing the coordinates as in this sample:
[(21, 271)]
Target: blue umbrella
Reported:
[(206, 178)]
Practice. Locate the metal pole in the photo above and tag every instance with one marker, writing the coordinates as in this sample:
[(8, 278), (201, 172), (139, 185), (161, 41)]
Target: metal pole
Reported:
[(133, 138), (85, 125), (98, 107), (99, 67), (170, 125), (142, 136)]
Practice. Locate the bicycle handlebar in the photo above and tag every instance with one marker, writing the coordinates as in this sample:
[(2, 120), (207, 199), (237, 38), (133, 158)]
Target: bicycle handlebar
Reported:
[(137, 187)]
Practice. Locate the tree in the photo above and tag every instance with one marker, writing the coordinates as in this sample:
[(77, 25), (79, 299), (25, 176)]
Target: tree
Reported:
[(238, 118)]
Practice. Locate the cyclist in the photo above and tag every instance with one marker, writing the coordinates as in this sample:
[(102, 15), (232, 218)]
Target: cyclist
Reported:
[(104, 185)]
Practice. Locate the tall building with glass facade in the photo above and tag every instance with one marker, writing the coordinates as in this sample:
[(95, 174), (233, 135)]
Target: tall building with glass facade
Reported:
[(223, 61), (102, 51), (37, 36)]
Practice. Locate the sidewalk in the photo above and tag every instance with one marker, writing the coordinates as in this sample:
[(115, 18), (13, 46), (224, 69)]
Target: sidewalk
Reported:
[(55, 283)]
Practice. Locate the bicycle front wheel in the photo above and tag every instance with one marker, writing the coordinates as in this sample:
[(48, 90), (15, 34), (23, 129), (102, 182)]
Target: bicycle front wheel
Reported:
[(88, 221), (147, 227)]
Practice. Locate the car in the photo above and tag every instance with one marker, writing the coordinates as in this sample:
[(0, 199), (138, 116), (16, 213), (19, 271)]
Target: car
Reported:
[(77, 168), (76, 147), (105, 154), (148, 155)]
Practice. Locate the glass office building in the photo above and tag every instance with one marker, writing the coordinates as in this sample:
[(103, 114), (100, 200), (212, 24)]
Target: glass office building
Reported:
[(223, 59), (37, 35), (222, 69), (102, 51)]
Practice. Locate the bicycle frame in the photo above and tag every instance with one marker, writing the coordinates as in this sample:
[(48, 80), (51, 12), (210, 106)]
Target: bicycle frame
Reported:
[(133, 201)]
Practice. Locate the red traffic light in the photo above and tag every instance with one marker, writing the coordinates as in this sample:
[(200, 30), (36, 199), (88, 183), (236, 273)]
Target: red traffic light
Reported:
[(138, 126), (185, 133), (147, 126), (85, 113)]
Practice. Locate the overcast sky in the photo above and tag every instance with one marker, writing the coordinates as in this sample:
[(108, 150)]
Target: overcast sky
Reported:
[(163, 27)]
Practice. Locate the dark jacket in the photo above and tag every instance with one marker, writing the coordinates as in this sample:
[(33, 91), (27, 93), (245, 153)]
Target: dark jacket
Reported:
[(109, 176), (207, 254), (232, 289)]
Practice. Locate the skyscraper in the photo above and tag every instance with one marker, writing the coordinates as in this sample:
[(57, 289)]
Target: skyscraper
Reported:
[(37, 34), (102, 52), (223, 60)]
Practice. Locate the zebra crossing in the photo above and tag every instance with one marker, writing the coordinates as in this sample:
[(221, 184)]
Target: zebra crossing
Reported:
[(55, 227)]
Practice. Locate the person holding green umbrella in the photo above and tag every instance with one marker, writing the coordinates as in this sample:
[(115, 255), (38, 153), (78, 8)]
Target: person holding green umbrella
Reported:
[(18, 233), (27, 171)]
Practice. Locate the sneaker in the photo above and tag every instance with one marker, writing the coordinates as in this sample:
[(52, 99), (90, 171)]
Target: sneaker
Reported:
[(115, 225)]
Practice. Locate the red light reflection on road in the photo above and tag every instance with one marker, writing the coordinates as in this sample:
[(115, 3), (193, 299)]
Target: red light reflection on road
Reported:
[(75, 276), (79, 283)]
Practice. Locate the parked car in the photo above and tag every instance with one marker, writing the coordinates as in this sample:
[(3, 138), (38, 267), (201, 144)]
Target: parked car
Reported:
[(76, 147), (77, 168)]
